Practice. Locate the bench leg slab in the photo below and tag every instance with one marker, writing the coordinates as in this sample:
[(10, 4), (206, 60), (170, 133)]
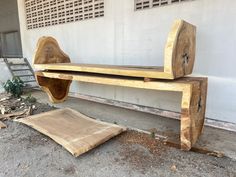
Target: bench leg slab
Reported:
[(193, 113)]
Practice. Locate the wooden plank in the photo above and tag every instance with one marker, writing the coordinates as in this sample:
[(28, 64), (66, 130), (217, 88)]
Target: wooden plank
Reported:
[(193, 91), (178, 61), (74, 131), (79, 67), (2, 125), (177, 85), (135, 71), (56, 84)]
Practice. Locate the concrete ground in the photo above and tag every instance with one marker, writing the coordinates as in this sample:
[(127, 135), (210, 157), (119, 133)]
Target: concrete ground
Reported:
[(26, 152)]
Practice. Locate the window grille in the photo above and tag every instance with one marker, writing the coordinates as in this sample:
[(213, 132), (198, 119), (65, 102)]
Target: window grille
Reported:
[(42, 13), (146, 4)]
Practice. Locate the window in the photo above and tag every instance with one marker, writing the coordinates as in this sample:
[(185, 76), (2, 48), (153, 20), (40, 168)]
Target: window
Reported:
[(146, 4), (41, 13)]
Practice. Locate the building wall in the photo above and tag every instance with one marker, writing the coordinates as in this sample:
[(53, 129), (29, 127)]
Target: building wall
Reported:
[(4, 75), (125, 36)]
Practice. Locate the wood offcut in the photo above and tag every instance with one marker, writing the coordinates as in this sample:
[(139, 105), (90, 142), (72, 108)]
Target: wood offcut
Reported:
[(2, 125)]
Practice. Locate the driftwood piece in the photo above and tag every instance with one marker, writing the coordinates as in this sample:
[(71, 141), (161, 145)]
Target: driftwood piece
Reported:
[(193, 91), (16, 115), (74, 131), (179, 56)]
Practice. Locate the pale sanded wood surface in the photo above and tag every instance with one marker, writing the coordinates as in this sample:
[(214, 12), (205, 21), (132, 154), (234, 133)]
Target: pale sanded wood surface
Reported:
[(74, 131), (193, 89), (179, 56), (135, 71)]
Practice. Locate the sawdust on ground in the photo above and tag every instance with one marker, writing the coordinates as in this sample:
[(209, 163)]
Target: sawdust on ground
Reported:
[(140, 150)]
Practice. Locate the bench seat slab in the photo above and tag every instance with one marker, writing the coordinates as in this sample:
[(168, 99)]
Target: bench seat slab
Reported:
[(179, 57)]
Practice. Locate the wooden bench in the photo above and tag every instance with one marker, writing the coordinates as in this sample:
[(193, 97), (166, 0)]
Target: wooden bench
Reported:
[(57, 74), (179, 56)]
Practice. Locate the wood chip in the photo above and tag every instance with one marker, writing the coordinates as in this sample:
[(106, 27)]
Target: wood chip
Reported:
[(4, 99), (2, 125), (216, 154), (2, 110), (173, 168)]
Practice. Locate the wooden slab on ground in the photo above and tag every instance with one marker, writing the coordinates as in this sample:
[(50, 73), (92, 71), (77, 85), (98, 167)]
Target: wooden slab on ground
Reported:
[(179, 57), (74, 131)]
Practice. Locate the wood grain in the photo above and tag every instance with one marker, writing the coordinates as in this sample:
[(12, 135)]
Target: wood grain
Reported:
[(74, 131), (57, 89), (48, 51), (180, 49)]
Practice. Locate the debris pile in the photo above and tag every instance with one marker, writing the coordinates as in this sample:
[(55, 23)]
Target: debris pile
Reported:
[(14, 108)]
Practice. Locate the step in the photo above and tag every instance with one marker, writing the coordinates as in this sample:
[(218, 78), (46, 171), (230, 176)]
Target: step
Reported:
[(18, 64), (28, 75), (31, 87), (21, 70), (29, 81)]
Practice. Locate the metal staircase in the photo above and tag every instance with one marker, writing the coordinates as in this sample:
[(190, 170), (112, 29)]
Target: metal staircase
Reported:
[(20, 67)]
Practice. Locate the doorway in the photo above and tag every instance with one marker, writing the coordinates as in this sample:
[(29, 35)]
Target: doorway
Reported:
[(10, 45), (10, 40)]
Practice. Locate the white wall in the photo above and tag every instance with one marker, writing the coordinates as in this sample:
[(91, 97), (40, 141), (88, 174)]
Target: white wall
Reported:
[(124, 36), (4, 74)]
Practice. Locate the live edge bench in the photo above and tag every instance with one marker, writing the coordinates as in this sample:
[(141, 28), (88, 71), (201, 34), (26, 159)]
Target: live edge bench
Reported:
[(55, 74)]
